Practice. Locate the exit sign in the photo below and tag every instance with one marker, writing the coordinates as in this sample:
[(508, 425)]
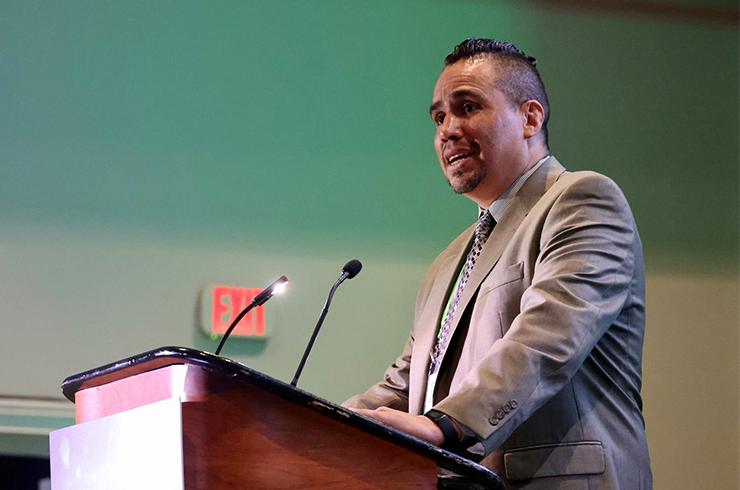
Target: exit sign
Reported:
[(220, 305)]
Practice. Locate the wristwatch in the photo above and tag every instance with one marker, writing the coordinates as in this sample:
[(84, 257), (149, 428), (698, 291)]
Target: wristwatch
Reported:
[(446, 425)]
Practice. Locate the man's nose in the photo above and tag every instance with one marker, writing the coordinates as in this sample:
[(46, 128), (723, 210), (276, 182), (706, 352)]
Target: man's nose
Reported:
[(450, 129)]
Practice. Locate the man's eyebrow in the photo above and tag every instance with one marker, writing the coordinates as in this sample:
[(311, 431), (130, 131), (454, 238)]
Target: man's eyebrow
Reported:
[(462, 93), (457, 94)]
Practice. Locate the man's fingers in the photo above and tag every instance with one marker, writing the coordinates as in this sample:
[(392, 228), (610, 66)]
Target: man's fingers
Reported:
[(417, 426)]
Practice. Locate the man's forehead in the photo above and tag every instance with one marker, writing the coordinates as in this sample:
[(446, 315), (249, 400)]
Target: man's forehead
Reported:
[(477, 67), (465, 77)]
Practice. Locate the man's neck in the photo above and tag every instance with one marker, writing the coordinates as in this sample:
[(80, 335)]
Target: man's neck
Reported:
[(486, 197), (502, 202)]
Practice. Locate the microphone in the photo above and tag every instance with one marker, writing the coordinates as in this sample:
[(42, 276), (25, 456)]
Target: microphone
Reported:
[(350, 270), (259, 300)]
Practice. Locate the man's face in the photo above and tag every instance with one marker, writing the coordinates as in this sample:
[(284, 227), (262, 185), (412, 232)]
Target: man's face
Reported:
[(479, 140)]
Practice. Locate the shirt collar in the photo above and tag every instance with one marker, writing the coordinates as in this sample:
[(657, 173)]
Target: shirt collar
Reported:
[(499, 205)]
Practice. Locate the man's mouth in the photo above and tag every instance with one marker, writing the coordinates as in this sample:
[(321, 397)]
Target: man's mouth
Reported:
[(456, 157)]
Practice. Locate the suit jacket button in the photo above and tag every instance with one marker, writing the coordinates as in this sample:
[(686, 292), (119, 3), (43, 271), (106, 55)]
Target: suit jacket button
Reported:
[(507, 407), (493, 421), (500, 414), (513, 403)]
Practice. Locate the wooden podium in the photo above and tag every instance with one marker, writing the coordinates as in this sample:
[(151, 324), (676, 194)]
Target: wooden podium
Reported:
[(176, 418)]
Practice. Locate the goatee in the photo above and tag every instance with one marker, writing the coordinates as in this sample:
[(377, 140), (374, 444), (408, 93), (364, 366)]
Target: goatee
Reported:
[(465, 186)]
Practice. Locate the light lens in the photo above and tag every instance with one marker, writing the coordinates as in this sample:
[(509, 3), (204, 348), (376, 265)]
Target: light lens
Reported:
[(279, 288)]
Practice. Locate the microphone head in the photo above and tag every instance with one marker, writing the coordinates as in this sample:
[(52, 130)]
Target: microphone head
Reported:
[(352, 268)]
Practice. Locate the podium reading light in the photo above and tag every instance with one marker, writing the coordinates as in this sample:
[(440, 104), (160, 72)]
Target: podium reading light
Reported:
[(276, 287)]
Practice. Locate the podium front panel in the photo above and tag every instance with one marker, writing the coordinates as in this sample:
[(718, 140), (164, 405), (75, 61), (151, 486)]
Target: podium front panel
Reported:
[(139, 448)]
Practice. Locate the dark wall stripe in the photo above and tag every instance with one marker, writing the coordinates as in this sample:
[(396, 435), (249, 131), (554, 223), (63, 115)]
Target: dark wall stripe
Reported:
[(660, 10)]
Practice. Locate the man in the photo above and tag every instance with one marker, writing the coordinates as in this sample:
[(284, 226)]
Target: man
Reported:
[(526, 349)]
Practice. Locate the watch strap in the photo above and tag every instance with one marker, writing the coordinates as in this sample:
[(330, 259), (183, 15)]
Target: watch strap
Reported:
[(446, 425)]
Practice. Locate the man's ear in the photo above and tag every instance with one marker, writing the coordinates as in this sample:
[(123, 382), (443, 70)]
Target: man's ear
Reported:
[(533, 116)]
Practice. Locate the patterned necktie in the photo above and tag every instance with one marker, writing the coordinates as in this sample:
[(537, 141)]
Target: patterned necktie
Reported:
[(482, 231)]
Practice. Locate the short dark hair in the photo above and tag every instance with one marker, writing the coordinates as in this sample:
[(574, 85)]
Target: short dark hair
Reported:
[(520, 80)]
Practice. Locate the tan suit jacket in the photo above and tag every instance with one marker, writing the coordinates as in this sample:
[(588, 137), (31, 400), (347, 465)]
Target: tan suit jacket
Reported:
[(545, 360)]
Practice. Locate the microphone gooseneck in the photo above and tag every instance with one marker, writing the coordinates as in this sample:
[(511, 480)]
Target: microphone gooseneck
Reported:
[(259, 300), (350, 270)]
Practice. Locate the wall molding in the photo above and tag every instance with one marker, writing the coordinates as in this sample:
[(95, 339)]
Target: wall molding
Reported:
[(34, 416)]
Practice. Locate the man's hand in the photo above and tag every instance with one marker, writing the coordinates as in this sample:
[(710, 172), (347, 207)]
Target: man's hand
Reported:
[(415, 425)]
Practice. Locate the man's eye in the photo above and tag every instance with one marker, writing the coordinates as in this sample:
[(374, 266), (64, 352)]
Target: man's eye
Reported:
[(468, 107), (439, 119)]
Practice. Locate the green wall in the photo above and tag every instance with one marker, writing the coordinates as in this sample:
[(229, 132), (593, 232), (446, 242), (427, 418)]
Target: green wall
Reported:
[(233, 121), (655, 106), (148, 150)]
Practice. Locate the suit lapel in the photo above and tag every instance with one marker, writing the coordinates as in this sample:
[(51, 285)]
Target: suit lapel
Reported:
[(429, 317), (531, 192)]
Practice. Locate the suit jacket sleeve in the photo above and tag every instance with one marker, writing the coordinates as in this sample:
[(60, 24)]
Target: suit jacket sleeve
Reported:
[(582, 270), (393, 391)]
